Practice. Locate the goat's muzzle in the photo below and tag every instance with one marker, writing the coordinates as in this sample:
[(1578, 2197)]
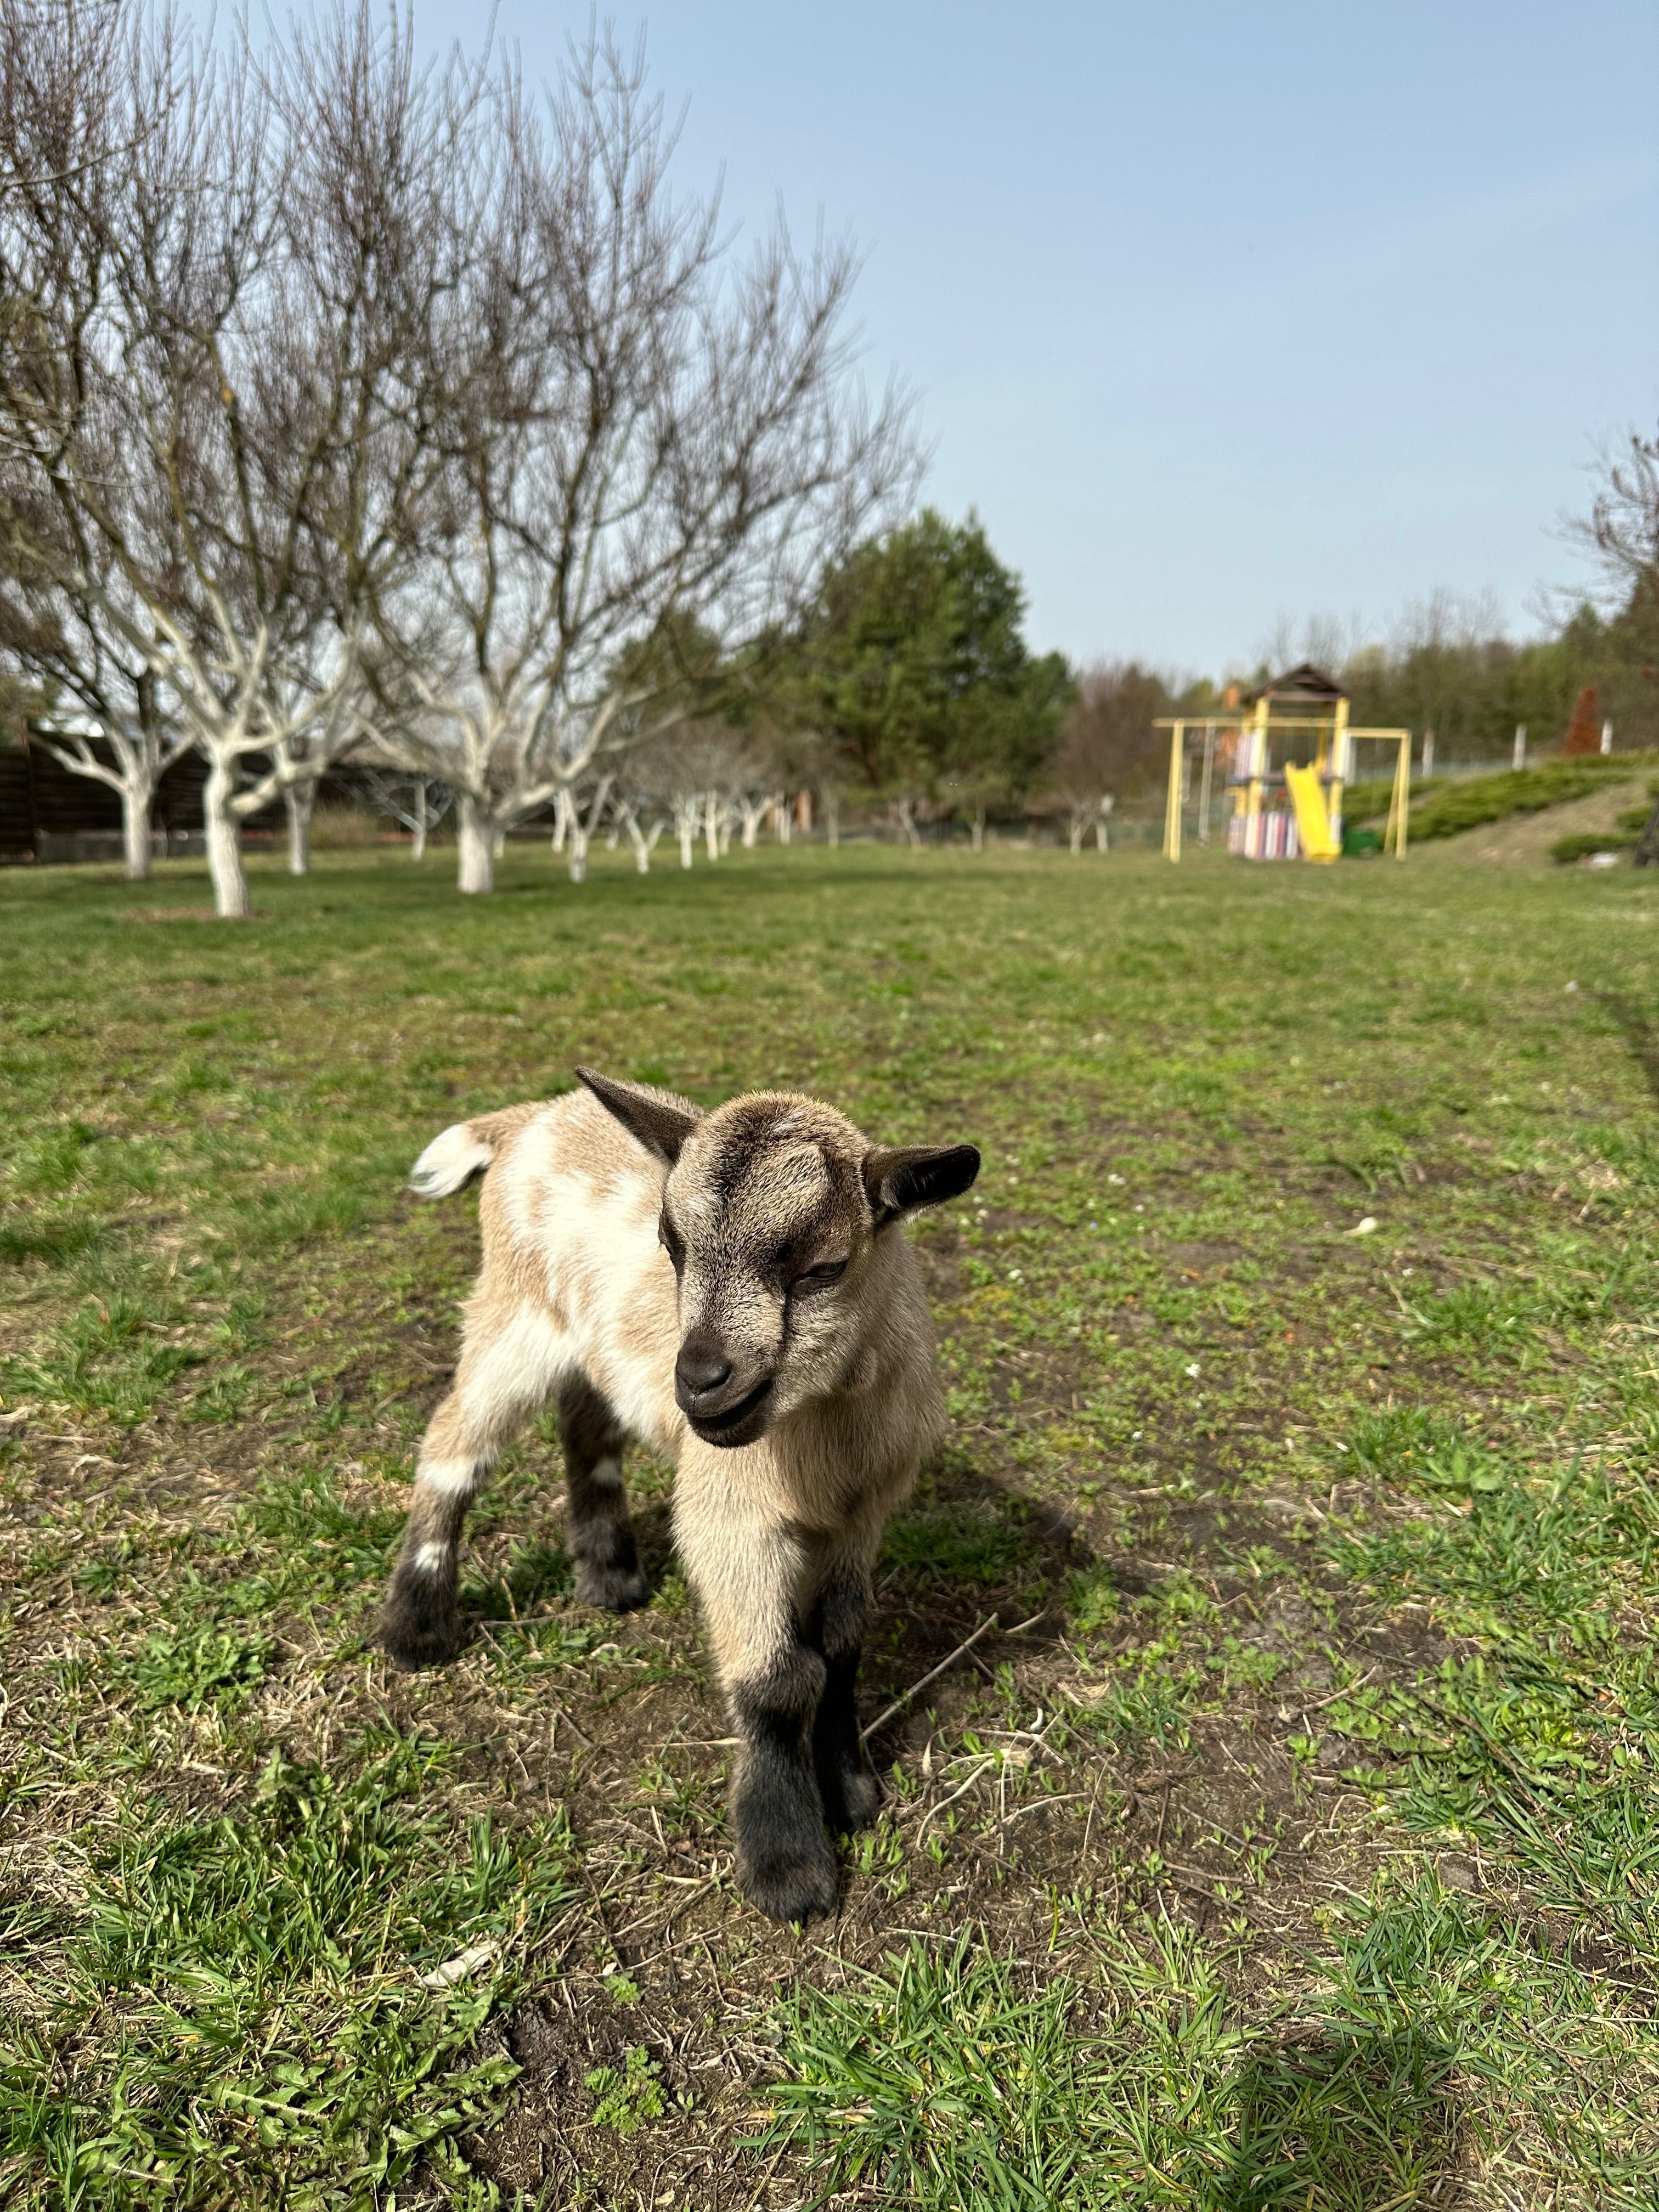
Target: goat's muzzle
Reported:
[(725, 1405)]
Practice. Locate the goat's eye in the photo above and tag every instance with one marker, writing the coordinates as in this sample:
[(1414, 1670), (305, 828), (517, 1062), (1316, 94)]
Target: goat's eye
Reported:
[(819, 1278)]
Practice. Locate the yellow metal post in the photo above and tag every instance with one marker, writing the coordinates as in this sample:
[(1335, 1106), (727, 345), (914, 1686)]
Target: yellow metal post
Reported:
[(1339, 768), (1172, 803), (1258, 771), (1394, 837)]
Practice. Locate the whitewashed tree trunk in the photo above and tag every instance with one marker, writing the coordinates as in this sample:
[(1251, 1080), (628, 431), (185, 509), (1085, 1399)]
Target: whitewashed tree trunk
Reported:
[(224, 844), (561, 814), (905, 809), (298, 802), (643, 844), (830, 802), (753, 812), (786, 817), (976, 831), (418, 846), (711, 824), (578, 850), (475, 841), (136, 840), (685, 827), (1075, 828), (140, 761)]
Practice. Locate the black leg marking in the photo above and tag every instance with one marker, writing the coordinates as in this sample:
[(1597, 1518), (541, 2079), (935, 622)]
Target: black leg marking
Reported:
[(419, 1625), (847, 1781), (601, 1536), (785, 1864)]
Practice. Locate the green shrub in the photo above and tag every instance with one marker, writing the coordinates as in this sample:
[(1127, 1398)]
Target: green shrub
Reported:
[(1568, 850), (1445, 808)]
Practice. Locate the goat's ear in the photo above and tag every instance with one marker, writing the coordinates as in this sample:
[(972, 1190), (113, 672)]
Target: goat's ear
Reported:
[(900, 1179), (661, 1123)]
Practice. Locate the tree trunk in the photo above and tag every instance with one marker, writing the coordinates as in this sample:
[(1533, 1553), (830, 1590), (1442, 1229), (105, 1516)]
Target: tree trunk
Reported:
[(1103, 842), (418, 848), (135, 802), (224, 845), (976, 833), (578, 834), (784, 817), (298, 801), (711, 824), (906, 810), (475, 841), (830, 802)]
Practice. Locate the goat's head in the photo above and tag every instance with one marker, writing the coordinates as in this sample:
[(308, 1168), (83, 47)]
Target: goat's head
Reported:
[(772, 1213)]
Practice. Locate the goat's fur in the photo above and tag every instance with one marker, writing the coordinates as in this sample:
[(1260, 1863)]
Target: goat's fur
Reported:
[(735, 1291)]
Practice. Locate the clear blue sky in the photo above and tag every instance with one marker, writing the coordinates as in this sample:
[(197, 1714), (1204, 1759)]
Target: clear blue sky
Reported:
[(1218, 314)]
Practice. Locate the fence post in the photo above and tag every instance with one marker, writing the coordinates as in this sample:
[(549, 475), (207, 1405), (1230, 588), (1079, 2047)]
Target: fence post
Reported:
[(1520, 744), (1606, 736)]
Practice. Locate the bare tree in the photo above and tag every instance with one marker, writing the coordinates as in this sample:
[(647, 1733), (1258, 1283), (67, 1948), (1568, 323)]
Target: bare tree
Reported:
[(1109, 744), (644, 439), (211, 428), (1622, 527), (98, 713)]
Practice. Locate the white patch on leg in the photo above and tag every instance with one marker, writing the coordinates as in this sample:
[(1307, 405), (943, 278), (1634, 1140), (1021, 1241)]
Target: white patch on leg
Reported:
[(450, 1478), (432, 1559)]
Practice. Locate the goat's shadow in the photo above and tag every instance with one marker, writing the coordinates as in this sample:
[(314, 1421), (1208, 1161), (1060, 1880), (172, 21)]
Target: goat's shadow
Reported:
[(966, 1547), (1365, 2123)]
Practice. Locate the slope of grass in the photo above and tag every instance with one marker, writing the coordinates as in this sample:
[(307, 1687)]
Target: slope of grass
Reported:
[(1287, 1836), (1446, 806)]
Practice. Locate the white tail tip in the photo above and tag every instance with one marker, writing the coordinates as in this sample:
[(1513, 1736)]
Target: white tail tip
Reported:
[(449, 1161)]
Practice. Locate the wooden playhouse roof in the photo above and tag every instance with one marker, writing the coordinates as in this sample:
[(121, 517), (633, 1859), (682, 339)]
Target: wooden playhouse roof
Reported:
[(1304, 682)]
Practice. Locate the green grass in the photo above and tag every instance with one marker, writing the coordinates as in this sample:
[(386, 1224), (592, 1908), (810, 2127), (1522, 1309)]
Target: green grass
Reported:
[(1301, 1848)]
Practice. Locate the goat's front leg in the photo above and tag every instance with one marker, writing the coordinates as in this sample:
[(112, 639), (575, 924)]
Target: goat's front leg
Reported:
[(746, 1576), (835, 1629)]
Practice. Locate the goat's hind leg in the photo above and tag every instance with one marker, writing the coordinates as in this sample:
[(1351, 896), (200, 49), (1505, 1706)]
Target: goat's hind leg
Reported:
[(600, 1534), (505, 1371)]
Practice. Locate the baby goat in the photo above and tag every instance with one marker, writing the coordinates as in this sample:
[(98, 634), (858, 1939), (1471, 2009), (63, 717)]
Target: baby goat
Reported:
[(735, 1290)]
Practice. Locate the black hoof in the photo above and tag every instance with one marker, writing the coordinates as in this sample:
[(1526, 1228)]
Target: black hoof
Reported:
[(415, 1634), (791, 1889), (852, 1798), (615, 1589)]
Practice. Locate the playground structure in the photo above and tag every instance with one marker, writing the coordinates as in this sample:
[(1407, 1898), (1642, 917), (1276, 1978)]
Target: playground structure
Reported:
[(1303, 711)]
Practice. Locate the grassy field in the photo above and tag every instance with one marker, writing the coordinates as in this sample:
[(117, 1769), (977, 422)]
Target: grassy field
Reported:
[(1288, 1838)]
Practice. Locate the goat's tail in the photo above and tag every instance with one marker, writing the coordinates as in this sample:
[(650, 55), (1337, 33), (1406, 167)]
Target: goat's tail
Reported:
[(451, 1160)]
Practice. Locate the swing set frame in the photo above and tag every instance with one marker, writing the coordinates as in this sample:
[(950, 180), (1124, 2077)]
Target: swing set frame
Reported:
[(1333, 741)]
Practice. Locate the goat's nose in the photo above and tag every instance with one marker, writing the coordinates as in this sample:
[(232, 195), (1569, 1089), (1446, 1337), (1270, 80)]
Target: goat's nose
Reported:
[(700, 1370)]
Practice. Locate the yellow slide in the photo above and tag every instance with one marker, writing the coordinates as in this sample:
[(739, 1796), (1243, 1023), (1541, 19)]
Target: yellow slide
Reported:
[(1313, 820)]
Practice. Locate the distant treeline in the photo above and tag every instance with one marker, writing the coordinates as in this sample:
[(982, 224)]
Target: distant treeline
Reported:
[(1474, 691)]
